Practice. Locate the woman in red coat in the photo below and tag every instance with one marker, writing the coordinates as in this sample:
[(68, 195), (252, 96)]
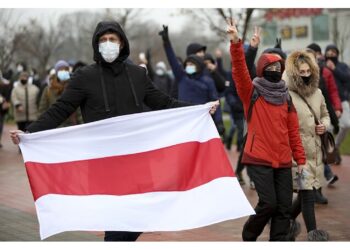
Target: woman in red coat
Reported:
[(273, 138)]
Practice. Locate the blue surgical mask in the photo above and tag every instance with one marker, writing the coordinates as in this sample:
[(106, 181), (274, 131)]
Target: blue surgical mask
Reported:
[(63, 75), (190, 69)]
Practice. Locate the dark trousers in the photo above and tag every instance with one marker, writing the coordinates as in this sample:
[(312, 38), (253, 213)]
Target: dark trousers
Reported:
[(275, 191), (121, 236), (305, 203)]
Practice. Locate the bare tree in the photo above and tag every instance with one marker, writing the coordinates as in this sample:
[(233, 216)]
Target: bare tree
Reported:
[(8, 23), (79, 27), (38, 43), (215, 19)]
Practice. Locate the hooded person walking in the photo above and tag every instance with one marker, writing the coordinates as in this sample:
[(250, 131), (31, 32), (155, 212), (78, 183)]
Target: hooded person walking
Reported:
[(302, 77), (273, 138), (110, 87)]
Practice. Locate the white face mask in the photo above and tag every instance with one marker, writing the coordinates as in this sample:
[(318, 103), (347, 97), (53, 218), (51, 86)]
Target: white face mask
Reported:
[(19, 68), (109, 51), (160, 72)]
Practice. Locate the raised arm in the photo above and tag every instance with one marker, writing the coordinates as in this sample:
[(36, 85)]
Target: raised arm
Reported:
[(240, 72), (252, 50), (176, 67)]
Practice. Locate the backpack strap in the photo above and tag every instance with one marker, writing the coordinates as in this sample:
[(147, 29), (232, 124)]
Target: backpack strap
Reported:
[(254, 97), (290, 103)]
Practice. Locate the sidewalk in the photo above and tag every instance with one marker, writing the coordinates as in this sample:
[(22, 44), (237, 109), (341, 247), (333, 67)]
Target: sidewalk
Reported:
[(18, 221)]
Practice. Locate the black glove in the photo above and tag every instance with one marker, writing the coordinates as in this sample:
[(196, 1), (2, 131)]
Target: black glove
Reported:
[(278, 43), (164, 33)]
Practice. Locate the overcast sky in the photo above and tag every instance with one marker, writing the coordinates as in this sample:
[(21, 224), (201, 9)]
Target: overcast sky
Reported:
[(161, 16)]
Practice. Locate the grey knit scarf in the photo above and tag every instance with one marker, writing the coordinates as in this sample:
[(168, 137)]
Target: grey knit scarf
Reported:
[(273, 92)]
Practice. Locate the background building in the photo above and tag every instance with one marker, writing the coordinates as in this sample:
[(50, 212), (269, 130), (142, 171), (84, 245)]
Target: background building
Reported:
[(300, 27)]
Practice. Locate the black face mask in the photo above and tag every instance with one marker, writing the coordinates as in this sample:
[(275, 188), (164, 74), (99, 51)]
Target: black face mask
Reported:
[(272, 76), (334, 59), (24, 81), (306, 79)]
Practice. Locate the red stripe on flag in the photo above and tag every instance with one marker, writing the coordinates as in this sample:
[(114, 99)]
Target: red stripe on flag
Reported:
[(176, 168)]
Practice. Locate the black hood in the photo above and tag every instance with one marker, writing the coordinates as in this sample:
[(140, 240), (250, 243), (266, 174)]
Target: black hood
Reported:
[(198, 61), (110, 26), (332, 46), (193, 48)]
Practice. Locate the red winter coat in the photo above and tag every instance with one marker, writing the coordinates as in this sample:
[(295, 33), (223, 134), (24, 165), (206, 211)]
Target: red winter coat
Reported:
[(273, 132)]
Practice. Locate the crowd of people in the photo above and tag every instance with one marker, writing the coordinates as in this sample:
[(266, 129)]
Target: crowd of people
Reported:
[(272, 104)]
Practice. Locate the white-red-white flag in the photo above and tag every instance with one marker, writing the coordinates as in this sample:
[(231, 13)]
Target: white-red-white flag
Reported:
[(156, 171)]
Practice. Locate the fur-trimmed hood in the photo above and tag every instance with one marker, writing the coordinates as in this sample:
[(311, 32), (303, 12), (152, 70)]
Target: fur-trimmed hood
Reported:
[(292, 78)]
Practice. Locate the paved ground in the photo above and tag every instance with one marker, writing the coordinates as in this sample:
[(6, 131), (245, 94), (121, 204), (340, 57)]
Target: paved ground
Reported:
[(18, 221)]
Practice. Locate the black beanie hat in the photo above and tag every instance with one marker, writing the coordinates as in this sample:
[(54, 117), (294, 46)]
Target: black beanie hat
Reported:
[(315, 47), (193, 48)]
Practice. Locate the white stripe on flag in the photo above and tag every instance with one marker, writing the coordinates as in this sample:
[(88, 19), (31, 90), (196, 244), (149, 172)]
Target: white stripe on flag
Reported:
[(219, 200), (120, 135)]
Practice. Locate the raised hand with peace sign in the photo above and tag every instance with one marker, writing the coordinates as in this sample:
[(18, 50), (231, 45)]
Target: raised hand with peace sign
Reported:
[(255, 40), (232, 30)]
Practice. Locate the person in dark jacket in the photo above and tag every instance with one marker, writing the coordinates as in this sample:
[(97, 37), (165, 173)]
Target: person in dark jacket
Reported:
[(220, 84), (273, 139), (341, 73), (194, 86), (211, 71), (219, 79), (110, 87), (235, 108)]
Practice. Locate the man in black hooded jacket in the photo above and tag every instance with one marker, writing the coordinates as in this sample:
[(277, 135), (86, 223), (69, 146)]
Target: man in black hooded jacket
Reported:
[(110, 87)]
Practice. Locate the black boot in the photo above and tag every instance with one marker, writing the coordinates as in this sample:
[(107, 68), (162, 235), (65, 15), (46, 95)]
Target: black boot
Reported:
[(319, 198)]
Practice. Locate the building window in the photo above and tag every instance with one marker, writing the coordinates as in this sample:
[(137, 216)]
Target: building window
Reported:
[(286, 33), (270, 33), (320, 28)]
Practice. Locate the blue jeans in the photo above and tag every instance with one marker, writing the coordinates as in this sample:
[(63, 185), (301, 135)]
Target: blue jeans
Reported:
[(328, 172)]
